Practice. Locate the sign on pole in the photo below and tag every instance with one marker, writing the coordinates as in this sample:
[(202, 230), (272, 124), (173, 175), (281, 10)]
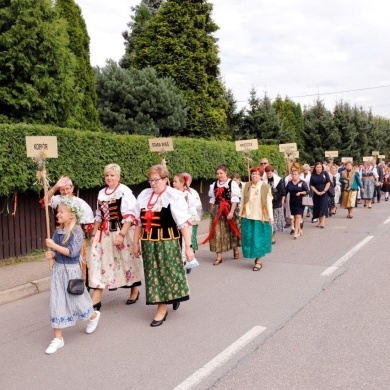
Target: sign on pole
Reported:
[(40, 148), (367, 158), (288, 148), (347, 159), (331, 153), (382, 156), (161, 145), (38, 145), (292, 154), (375, 153), (248, 144)]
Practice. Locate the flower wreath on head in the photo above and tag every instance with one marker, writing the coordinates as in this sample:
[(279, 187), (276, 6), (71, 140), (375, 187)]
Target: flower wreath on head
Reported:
[(74, 207)]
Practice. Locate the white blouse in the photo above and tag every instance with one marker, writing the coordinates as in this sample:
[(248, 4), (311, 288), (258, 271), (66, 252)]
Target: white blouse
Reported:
[(172, 197), (127, 203), (236, 191)]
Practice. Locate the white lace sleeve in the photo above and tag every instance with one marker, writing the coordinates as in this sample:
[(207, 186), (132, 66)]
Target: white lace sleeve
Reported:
[(128, 205), (211, 194), (236, 192)]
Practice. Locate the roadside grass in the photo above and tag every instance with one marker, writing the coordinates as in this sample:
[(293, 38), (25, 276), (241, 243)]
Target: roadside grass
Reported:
[(37, 255)]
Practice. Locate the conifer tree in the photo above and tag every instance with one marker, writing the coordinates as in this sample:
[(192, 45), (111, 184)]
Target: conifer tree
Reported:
[(179, 42), (84, 74), (36, 66), (133, 101)]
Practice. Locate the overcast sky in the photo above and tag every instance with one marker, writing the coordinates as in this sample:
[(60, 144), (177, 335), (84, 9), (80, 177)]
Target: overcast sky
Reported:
[(289, 48)]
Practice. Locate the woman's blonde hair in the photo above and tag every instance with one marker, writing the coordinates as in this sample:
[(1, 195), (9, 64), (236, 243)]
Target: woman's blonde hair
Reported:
[(160, 169), (113, 168)]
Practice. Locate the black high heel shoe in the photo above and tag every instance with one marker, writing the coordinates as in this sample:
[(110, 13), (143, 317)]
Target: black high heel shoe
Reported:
[(155, 323), (176, 305), (131, 301), (97, 306)]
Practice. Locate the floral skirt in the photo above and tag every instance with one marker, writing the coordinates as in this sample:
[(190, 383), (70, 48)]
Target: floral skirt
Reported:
[(110, 266), (224, 238), (278, 225), (65, 308), (165, 276), (194, 237), (256, 237)]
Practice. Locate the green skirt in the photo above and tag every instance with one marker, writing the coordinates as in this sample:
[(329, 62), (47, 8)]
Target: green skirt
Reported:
[(256, 238), (165, 277)]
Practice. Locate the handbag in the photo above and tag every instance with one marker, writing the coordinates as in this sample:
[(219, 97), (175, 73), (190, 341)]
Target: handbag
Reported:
[(307, 201), (75, 286), (331, 192)]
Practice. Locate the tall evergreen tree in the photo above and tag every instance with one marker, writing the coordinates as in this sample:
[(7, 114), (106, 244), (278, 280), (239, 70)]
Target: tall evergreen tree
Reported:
[(234, 116), (84, 74), (261, 120), (136, 27), (319, 133), (178, 42), (133, 101), (36, 66)]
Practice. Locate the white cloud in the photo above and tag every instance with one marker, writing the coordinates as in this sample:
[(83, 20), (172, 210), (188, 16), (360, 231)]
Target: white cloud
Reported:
[(284, 47)]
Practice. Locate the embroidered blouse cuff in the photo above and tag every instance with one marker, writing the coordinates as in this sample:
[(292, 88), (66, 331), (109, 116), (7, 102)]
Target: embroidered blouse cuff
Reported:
[(185, 224), (128, 218)]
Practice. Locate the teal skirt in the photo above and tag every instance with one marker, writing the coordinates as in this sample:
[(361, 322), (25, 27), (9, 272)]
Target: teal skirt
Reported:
[(256, 238)]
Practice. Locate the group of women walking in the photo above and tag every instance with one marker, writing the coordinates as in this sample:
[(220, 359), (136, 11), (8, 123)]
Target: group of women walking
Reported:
[(156, 224), (161, 225)]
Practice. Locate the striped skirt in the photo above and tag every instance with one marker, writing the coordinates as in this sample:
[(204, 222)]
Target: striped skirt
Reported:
[(65, 308)]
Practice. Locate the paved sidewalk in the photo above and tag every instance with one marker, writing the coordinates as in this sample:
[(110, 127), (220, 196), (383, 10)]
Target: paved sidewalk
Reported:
[(22, 280)]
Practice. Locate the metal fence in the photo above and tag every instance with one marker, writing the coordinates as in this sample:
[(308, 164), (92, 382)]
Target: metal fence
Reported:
[(23, 226)]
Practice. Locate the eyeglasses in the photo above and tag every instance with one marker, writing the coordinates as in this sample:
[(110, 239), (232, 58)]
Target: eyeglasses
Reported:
[(263, 163), (153, 181)]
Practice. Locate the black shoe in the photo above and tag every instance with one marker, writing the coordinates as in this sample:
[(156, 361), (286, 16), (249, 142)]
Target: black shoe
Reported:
[(155, 323), (287, 225), (97, 306), (188, 270), (131, 301), (176, 305), (302, 224), (292, 231)]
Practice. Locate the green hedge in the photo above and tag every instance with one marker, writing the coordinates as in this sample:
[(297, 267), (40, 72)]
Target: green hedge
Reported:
[(83, 155)]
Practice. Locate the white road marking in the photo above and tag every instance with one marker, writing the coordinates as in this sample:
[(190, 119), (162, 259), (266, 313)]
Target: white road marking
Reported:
[(346, 257), (387, 221), (220, 359)]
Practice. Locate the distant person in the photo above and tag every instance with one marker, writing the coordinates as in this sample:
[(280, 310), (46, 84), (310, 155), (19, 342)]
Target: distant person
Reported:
[(350, 181), (319, 184)]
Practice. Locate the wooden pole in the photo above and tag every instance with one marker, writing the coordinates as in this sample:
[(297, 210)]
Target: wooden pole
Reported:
[(46, 198)]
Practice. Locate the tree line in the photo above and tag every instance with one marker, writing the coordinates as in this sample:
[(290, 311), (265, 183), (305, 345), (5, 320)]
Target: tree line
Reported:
[(167, 83)]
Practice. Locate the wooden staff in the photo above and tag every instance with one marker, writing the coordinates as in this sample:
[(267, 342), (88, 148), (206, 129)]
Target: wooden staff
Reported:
[(46, 198)]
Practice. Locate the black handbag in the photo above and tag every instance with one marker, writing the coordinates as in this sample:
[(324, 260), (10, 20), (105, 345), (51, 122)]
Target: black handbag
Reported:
[(75, 286), (330, 191)]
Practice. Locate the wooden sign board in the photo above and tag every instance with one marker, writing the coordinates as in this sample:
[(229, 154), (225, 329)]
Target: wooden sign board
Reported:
[(331, 153), (292, 154), (375, 153), (382, 156), (367, 158), (161, 145), (288, 148), (248, 144), (346, 159), (41, 146)]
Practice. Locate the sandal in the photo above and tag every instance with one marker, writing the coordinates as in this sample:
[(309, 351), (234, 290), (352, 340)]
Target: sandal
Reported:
[(257, 266), (273, 242), (218, 261), (236, 253)]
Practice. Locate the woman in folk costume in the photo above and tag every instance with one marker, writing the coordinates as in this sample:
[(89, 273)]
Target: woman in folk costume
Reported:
[(350, 181), (225, 221), (111, 263), (386, 183), (163, 220), (256, 218)]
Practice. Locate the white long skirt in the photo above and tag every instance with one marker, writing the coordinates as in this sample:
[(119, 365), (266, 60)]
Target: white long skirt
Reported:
[(65, 308)]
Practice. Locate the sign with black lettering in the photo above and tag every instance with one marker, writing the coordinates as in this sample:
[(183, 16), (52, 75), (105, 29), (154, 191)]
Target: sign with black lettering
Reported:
[(288, 148), (161, 145), (248, 144), (331, 153), (41, 146)]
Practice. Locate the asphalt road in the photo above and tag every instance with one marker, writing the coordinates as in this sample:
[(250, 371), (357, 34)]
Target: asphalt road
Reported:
[(285, 327)]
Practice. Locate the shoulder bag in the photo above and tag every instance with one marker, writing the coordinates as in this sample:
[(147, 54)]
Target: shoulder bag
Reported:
[(75, 286)]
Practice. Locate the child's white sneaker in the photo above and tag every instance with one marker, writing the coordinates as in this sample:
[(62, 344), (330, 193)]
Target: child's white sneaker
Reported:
[(54, 345), (92, 324)]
